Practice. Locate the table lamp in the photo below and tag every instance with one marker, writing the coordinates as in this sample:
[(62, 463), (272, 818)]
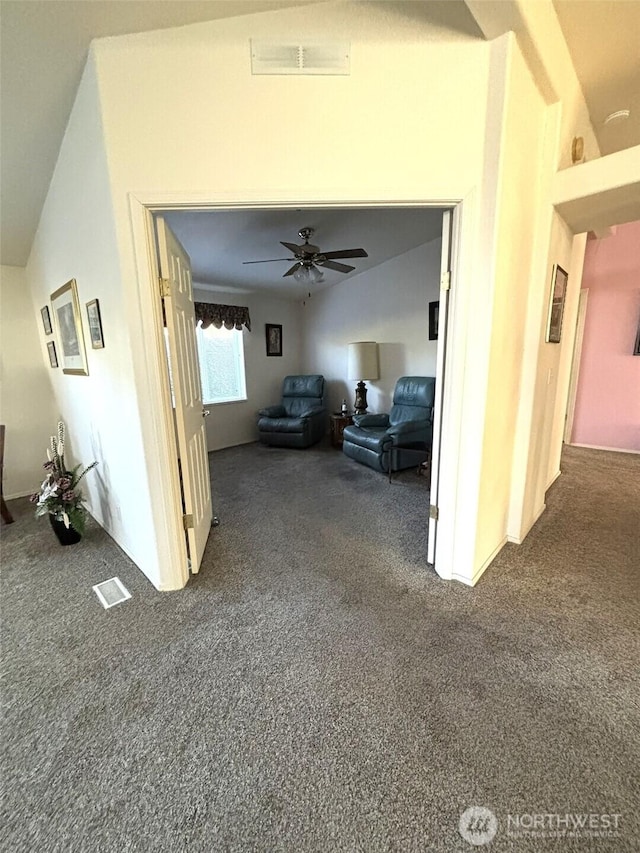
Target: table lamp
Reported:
[(362, 363)]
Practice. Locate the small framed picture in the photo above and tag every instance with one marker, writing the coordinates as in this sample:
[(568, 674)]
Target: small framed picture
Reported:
[(95, 324), (559, 281), (53, 355), (274, 338), (434, 316), (46, 320)]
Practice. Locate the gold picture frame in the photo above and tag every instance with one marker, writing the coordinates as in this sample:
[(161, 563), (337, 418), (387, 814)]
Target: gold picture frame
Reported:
[(68, 321)]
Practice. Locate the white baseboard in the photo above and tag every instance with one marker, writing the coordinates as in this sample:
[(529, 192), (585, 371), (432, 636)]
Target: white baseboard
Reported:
[(482, 569), (518, 540), (553, 479), (234, 444), (107, 529), (18, 495), (610, 449)]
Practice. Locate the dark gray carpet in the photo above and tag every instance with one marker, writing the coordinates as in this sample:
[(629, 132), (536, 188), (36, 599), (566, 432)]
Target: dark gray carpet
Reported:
[(317, 687)]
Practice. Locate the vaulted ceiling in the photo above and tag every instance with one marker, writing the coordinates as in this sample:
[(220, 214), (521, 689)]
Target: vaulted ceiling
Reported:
[(44, 47), (219, 241)]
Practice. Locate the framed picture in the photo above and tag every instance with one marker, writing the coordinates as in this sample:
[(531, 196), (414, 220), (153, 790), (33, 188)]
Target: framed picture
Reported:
[(556, 304), (66, 313), (46, 320), (53, 355), (434, 316), (95, 324), (274, 339)]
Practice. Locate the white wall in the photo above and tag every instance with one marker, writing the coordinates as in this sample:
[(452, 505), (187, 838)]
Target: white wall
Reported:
[(230, 424), (518, 204), (76, 239), (387, 304), (199, 120), (202, 130), (197, 127), (26, 400)]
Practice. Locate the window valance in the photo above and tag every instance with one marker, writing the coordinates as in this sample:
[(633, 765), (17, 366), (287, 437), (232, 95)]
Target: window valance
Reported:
[(229, 316)]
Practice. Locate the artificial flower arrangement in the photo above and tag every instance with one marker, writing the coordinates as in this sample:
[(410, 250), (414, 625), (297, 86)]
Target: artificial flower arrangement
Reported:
[(59, 495)]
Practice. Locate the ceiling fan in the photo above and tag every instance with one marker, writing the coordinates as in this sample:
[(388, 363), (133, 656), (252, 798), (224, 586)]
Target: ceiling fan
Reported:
[(309, 260)]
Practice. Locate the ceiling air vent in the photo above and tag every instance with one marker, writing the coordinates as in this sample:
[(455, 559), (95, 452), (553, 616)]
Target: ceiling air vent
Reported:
[(311, 57)]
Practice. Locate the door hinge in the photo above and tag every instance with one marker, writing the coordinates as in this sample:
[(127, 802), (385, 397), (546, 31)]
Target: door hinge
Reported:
[(434, 512), (165, 287), (187, 521), (445, 280)]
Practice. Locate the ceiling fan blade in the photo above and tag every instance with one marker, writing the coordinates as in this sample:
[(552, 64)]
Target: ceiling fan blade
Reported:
[(332, 265), (291, 247), (291, 270), (347, 253), (268, 261)]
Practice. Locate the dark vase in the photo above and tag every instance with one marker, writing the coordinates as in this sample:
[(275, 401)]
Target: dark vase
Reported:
[(66, 535)]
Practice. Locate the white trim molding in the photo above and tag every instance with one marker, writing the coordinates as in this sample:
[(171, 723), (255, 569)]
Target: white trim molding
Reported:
[(518, 540), (482, 568), (155, 411), (608, 449)]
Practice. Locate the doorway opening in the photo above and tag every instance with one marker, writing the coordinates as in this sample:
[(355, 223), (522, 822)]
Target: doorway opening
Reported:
[(445, 276)]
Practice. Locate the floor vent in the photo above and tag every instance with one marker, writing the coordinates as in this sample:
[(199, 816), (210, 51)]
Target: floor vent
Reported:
[(111, 592), (309, 57)]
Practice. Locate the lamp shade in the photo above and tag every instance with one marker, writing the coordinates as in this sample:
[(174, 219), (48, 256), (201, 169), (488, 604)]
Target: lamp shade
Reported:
[(362, 361)]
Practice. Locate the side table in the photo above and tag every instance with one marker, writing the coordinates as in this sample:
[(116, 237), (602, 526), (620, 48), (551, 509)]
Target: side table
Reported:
[(338, 422)]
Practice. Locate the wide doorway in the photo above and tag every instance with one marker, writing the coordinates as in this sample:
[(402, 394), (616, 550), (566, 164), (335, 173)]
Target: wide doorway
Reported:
[(392, 295)]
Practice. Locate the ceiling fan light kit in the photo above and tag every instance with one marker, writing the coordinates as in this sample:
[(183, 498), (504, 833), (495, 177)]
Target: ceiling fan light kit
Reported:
[(310, 261)]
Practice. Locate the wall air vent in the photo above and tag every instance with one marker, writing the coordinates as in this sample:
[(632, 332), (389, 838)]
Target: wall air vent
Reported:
[(309, 57)]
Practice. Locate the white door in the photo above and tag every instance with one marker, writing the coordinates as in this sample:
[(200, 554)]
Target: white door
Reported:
[(175, 269), (445, 283)]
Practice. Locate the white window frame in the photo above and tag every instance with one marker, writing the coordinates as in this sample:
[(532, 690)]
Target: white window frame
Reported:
[(237, 336)]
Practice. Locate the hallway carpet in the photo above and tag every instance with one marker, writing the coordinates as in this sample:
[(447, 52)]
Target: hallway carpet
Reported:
[(317, 687)]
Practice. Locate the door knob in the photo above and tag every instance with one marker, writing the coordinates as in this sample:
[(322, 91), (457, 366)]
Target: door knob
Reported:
[(205, 413)]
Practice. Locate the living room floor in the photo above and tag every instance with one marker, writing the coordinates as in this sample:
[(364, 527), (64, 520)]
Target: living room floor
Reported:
[(317, 687)]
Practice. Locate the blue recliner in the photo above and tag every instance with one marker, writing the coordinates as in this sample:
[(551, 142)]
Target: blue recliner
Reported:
[(301, 419), (381, 441)]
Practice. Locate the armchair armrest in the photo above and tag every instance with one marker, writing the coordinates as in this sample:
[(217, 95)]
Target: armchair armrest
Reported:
[(273, 412), (313, 410), (371, 420), (418, 430)]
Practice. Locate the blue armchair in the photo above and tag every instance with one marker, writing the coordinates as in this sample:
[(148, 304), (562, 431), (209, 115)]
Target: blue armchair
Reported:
[(300, 419), (390, 441)]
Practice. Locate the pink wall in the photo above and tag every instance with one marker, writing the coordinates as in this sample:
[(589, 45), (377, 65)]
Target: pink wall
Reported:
[(607, 412)]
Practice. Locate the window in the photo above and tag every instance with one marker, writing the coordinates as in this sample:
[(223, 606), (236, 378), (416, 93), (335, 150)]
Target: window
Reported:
[(221, 356)]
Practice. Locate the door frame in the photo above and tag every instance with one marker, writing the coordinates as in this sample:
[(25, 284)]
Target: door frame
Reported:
[(441, 350), (572, 394), (154, 393)]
